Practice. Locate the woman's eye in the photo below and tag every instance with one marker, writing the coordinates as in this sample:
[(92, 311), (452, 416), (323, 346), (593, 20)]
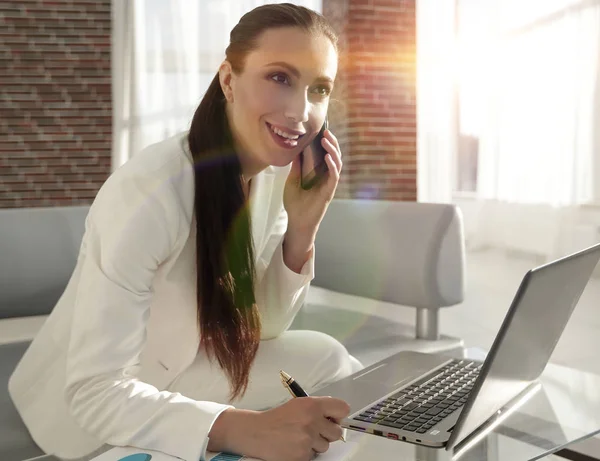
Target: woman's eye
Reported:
[(280, 78), (323, 90)]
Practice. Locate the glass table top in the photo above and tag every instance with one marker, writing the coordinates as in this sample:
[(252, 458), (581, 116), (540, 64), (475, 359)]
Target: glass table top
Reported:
[(563, 412)]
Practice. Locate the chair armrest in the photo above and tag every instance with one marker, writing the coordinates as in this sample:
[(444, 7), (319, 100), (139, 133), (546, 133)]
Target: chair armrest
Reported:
[(20, 329), (39, 248), (405, 253)]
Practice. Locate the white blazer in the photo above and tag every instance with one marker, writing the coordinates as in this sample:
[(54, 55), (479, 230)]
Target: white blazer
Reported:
[(126, 325)]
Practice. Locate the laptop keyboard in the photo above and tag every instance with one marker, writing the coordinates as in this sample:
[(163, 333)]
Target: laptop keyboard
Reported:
[(424, 404)]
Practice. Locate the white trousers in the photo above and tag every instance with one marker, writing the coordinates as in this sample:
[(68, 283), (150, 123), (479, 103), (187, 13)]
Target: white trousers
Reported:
[(312, 358)]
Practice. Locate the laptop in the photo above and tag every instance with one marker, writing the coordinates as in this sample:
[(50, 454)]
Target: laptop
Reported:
[(439, 401)]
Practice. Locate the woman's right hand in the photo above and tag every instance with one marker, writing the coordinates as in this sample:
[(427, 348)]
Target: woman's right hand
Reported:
[(297, 429), (294, 431)]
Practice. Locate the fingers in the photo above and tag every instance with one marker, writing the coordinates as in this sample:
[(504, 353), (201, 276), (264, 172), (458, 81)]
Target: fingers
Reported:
[(333, 408), (329, 135), (331, 431), (334, 175), (323, 431), (334, 151), (328, 432), (320, 445)]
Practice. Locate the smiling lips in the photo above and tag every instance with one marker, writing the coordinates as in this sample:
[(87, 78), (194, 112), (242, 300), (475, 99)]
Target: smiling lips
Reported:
[(285, 139)]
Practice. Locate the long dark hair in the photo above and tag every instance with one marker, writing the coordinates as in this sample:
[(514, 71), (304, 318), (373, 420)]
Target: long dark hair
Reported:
[(228, 316)]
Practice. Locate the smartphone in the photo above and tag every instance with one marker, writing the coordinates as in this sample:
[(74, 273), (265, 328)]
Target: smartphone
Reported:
[(312, 159)]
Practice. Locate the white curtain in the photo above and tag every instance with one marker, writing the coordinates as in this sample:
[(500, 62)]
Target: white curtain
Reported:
[(436, 100), (530, 85), (537, 143), (164, 55)]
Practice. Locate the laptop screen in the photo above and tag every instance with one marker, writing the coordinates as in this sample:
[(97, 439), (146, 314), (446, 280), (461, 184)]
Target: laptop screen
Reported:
[(534, 323)]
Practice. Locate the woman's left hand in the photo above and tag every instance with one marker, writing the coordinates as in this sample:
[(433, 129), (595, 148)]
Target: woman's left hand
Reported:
[(306, 208)]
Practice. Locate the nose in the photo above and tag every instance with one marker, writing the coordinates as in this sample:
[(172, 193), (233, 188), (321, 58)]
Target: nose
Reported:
[(297, 109)]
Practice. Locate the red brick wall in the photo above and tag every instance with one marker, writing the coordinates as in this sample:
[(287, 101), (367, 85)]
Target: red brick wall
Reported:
[(56, 97), (57, 100), (374, 108)]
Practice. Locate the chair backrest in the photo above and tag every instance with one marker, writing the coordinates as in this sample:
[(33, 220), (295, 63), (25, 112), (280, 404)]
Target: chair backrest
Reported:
[(406, 253), (38, 252)]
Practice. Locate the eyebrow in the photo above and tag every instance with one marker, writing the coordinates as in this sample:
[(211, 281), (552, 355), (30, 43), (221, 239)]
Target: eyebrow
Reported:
[(296, 72)]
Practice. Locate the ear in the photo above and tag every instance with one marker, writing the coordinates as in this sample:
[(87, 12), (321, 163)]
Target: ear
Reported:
[(226, 80)]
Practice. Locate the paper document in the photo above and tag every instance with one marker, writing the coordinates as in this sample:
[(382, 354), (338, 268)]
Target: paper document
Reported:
[(227, 457), (338, 451), (136, 454), (133, 454)]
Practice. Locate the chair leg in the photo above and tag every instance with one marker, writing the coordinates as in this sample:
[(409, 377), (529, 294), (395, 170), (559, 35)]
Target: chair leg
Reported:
[(428, 324)]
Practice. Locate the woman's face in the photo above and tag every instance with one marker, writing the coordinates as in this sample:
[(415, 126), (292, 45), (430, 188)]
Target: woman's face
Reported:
[(285, 87)]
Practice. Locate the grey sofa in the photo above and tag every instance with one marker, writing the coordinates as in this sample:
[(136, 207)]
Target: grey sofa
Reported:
[(404, 255), (38, 252)]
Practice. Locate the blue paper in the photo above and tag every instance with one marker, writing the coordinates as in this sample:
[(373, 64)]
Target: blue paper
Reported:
[(226, 457), (137, 457)]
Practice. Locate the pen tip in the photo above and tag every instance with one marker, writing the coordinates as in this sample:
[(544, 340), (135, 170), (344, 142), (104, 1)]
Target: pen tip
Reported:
[(284, 375)]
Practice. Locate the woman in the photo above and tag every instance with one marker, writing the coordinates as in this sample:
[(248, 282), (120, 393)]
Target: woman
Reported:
[(170, 333)]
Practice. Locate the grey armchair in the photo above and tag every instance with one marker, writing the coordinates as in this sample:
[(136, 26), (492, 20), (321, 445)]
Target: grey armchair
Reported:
[(396, 255)]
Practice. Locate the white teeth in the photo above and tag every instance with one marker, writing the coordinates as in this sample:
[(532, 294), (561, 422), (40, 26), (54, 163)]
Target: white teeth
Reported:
[(283, 134)]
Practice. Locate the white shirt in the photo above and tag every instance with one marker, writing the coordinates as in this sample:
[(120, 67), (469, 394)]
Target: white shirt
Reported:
[(126, 324)]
